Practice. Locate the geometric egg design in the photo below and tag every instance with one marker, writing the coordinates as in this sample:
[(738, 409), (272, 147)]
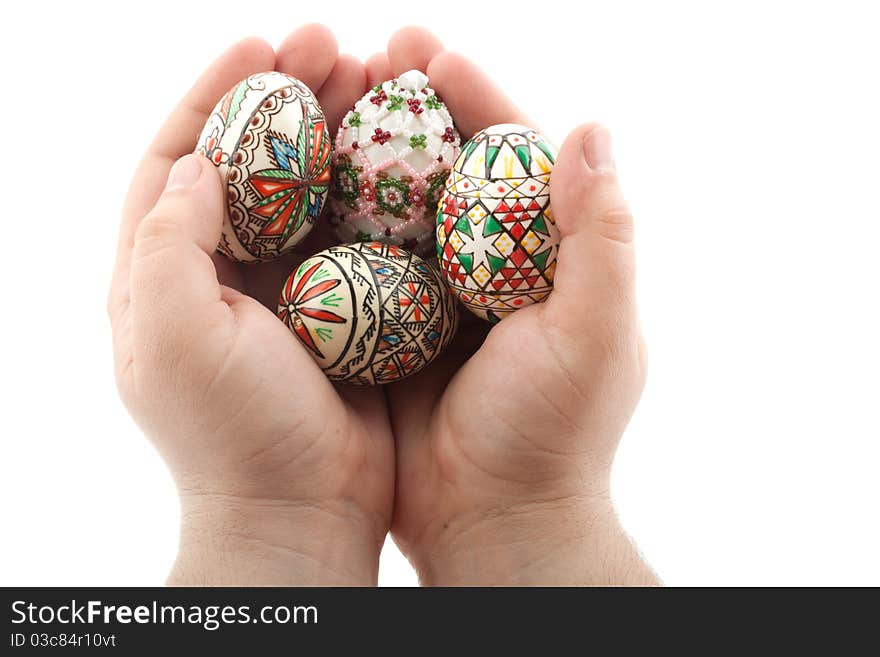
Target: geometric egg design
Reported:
[(497, 240), (369, 313), (268, 137)]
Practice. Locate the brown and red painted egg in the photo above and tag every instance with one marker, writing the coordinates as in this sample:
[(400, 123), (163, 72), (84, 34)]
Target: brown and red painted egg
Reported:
[(496, 237), (369, 313), (269, 139)]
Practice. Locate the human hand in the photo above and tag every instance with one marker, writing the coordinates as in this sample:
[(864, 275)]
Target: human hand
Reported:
[(505, 445), (283, 478)]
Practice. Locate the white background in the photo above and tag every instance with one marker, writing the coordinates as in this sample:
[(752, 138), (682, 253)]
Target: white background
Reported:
[(748, 140)]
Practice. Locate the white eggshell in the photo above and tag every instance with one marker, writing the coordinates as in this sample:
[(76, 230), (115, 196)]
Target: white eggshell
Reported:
[(369, 313), (393, 154), (496, 237), (268, 137)]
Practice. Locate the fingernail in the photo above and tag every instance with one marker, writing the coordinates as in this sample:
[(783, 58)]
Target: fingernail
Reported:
[(185, 173), (597, 150)]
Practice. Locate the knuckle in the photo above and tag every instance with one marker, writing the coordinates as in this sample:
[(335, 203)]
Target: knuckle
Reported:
[(616, 224), (157, 229), (613, 218)]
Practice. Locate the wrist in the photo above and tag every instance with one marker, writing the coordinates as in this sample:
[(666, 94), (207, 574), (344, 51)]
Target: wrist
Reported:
[(227, 540), (568, 542)]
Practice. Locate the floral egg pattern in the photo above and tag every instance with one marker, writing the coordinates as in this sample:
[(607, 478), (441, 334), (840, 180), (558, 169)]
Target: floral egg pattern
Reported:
[(268, 137), (369, 313), (393, 154)]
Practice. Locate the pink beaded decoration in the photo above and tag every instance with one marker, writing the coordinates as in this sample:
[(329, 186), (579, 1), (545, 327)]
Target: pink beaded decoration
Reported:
[(393, 154)]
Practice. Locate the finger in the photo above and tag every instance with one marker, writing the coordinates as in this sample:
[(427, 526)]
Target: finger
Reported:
[(177, 137), (343, 87), (179, 133), (412, 48), (595, 275), (175, 296), (378, 69), (308, 54), (473, 99)]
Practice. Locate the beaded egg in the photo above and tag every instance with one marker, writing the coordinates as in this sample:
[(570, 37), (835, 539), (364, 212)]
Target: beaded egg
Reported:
[(497, 240), (393, 154), (268, 137), (369, 313)]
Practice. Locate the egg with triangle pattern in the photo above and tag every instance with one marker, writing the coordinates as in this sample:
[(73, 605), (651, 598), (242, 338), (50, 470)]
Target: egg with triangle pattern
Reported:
[(497, 240)]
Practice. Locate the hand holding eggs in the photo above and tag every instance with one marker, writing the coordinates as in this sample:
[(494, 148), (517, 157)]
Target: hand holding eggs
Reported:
[(373, 312)]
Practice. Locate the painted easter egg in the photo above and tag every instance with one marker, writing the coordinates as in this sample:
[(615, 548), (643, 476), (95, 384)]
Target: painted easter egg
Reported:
[(368, 313), (268, 137), (496, 237), (393, 154)]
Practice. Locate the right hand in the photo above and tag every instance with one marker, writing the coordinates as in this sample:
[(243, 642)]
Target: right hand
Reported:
[(283, 478)]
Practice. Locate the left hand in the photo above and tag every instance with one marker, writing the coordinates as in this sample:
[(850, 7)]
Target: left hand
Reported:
[(505, 444)]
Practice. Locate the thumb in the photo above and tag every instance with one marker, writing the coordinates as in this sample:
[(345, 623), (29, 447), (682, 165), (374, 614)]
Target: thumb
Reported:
[(595, 271), (175, 295)]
